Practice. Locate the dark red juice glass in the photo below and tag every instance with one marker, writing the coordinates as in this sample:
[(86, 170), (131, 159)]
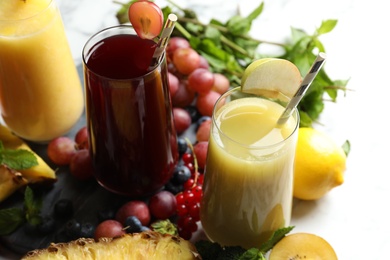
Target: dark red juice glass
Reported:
[(129, 113)]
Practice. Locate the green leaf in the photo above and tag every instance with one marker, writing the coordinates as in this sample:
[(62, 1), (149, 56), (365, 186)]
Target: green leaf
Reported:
[(10, 220), (326, 26), (256, 13), (252, 254), (32, 207), (275, 238), (238, 25), (18, 159), (346, 147)]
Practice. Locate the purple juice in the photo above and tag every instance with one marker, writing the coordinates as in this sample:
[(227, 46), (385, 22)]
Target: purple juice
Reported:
[(132, 136)]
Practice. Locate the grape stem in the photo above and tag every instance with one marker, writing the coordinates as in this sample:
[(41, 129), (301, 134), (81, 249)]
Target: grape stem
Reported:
[(195, 162)]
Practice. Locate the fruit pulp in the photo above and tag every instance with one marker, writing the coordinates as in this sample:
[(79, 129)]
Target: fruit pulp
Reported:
[(249, 173), (40, 90), (132, 137)]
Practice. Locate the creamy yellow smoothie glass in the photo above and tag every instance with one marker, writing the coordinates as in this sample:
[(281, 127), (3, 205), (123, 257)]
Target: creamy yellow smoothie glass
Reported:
[(40, 91), (249, 171)]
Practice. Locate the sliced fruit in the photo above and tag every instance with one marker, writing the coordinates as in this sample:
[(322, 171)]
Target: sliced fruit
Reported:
[(271, 75), (10, 181), (145, 245), (39, 173), (146, 18), (302, 246)]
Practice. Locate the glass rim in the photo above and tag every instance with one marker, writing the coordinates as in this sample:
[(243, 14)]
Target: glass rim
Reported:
[(126, 28), (295, 114), (49, 4)]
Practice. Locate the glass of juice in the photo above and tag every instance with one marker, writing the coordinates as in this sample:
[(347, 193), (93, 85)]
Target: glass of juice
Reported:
[(133, 141), (41, 96), (247, 190)]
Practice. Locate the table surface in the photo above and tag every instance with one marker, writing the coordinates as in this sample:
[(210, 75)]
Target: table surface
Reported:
[(352, 217)]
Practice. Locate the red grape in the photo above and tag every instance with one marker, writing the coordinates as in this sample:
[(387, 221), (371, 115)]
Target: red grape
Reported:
[(200, 150), (203, 132), (81, 165), (162, 205), (183, 96), (182, 119), (81, 138), (186, 60), (201, 80), (176, 43), (205, 103), (221, 83), (141, 11), (204, 63), (61, 150), (173, 84), (135, 208), (109, 228)]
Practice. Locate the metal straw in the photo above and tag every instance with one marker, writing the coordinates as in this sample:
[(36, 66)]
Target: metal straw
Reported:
[(306, 82), (164, 39)]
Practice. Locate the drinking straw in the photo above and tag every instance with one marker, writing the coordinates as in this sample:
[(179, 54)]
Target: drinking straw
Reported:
[(163, 41), (306, 82)]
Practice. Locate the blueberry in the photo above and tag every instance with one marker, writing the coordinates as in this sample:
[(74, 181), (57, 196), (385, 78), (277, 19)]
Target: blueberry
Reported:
[(87, 230), (133, 224), (194, 113), (63, 208), (47, 225), (174, 188), (73, 228), (144, 228), (181, 174), (106, 214), (182, 145)]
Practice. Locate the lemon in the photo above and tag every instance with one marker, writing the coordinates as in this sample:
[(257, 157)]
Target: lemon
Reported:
[(319, 164), (271, 74)]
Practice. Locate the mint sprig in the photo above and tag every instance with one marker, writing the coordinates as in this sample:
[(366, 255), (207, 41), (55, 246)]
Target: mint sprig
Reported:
[(17, 159), (12, 218)]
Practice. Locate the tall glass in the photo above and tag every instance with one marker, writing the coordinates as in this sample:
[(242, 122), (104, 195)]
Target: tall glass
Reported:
[(41, 96), (249, 170), (129, 113)]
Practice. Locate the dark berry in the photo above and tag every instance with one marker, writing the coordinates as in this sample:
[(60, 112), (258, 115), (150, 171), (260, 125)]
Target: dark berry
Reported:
[(182, 145), (133, 225), (174, 188), (63, 208), (144, 228), (73, 228), (194, 113), (181, 174), (106, 214), (47, 225), (87, 230)]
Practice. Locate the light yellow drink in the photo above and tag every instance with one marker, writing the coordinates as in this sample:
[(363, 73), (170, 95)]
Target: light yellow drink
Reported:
[(249, 172), (40, 91)]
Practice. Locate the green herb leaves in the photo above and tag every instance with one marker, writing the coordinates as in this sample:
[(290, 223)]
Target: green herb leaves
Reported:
[(17, 159), (12, 218)]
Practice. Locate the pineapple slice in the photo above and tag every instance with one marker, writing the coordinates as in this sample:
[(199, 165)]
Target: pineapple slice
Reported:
[(10, 181), (39, 173), (145, 245)]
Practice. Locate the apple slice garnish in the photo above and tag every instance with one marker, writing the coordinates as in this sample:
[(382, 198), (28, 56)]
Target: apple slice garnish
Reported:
[(272, 75), (146, 18)]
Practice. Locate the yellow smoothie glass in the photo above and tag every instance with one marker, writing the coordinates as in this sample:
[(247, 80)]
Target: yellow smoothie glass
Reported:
[(249, 171), (40, 91)]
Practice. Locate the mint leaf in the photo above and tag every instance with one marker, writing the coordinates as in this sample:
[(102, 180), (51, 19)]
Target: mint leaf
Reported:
[(32, 207), (18, 159), (275, 238), (10, 220)]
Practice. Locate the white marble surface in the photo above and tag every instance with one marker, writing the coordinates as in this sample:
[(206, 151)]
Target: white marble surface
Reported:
[(353, 217)]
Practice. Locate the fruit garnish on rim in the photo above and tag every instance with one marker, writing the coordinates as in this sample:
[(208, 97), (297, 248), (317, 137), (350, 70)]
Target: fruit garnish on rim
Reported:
[(272, 75), (146, 18)]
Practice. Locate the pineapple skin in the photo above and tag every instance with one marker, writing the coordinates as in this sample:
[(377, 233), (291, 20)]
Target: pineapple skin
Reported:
[(137, 246), (10, 181)]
